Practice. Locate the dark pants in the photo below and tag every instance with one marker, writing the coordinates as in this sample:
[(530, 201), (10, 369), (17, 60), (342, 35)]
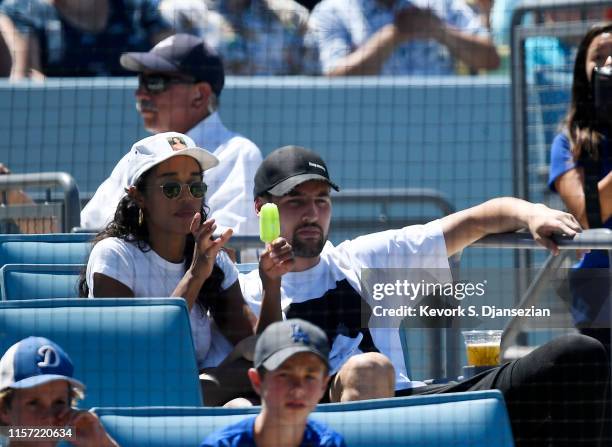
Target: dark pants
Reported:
[(603, 335), (555, 395)]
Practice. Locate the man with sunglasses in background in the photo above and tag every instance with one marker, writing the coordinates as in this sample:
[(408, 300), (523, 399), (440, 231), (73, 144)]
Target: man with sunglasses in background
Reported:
[(179, 84)]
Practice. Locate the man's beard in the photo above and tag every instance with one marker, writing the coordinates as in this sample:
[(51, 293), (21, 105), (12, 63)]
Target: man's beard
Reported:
[(310, 249)]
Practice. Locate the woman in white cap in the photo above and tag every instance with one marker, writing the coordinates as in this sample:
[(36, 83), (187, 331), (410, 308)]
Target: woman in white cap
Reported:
[(160, 244), (37, 392)]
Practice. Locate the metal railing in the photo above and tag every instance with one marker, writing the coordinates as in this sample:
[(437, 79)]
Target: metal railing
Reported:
[(444, 344), (595, 239), (69, 209)]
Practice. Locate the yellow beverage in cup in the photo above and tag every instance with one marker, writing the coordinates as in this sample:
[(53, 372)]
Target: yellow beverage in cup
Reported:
[(483, 354), (482, 347)]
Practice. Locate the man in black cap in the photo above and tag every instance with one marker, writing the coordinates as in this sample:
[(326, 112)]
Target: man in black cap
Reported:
[(551, 393), (179, 84), (291, 375)]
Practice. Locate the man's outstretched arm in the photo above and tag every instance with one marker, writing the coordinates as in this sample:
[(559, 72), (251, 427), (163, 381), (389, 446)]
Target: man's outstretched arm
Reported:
[(503, 215)]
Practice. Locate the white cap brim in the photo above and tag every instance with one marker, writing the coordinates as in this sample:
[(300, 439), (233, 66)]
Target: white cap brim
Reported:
[(205, 159)]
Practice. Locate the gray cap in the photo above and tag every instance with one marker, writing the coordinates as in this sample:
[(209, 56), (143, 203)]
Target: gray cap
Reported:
[(282, 339)]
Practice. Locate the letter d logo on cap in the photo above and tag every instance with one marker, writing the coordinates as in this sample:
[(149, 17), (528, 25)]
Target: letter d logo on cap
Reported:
[(50, 357)]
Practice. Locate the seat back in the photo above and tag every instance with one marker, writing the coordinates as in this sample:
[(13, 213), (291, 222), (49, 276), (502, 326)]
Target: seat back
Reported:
[(38, 281), (459, 419), (127, 351), (68, 248)]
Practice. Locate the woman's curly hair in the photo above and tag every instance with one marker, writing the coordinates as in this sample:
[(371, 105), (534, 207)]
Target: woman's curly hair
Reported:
[(125, 226)]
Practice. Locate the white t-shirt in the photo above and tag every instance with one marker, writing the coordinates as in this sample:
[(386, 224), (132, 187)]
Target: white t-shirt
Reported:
[(149, 275), (414, 247)]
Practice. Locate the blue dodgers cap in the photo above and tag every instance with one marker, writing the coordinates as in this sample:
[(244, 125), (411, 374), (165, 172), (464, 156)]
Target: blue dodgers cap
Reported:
[(35, 361), (282, 339), (183, 54)]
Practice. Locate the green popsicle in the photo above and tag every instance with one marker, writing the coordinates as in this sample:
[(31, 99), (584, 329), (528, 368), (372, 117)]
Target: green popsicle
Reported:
[(269, 223)]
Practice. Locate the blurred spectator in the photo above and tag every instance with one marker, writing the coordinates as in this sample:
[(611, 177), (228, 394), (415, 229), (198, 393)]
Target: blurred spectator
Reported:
[(254, 37), (399, 37), (500, 20), (482, 8), (309, 4), (25, 224), (77, 37), (503, 10), (13, 196), (179, 84)]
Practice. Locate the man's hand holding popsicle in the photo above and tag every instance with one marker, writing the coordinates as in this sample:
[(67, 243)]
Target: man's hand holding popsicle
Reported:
[(274, 262), (277, 259)]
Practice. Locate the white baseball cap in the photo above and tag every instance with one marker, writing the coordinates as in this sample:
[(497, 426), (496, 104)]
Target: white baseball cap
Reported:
[(151, 151)]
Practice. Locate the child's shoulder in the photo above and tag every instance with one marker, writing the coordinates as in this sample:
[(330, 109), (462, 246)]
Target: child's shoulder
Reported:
[(321, 435), (238, 434)]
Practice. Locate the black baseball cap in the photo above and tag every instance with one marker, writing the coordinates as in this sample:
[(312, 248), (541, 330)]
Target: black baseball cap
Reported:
[(287, 167), (282, 339), (180, 53)]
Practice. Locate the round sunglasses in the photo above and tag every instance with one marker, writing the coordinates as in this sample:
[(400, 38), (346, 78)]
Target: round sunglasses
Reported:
[(172, 190)]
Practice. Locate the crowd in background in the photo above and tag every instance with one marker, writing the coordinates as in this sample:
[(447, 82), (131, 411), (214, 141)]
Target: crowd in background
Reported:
[(41, 38)]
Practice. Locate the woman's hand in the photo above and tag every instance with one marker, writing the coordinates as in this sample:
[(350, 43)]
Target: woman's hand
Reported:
[(276, 260), (206, 248)]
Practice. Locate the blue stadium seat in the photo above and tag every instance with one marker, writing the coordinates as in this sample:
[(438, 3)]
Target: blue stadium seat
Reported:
[(37, 281), (31, 281), (127, 351), (475, 419), (68, 248)]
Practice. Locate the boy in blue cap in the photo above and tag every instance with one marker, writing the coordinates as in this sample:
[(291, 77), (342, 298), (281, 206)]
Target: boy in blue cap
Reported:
[(291, 375), (37, 391)]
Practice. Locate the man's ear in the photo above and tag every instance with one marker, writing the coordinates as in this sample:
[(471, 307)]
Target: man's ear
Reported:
[(202, 94), (259, 202), (255, 379)]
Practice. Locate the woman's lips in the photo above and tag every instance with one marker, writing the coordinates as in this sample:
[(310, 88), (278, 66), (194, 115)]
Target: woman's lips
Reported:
[(185, 213)]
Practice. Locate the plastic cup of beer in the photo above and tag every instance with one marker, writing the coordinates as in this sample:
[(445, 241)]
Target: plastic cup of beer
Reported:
[(482, 347)]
